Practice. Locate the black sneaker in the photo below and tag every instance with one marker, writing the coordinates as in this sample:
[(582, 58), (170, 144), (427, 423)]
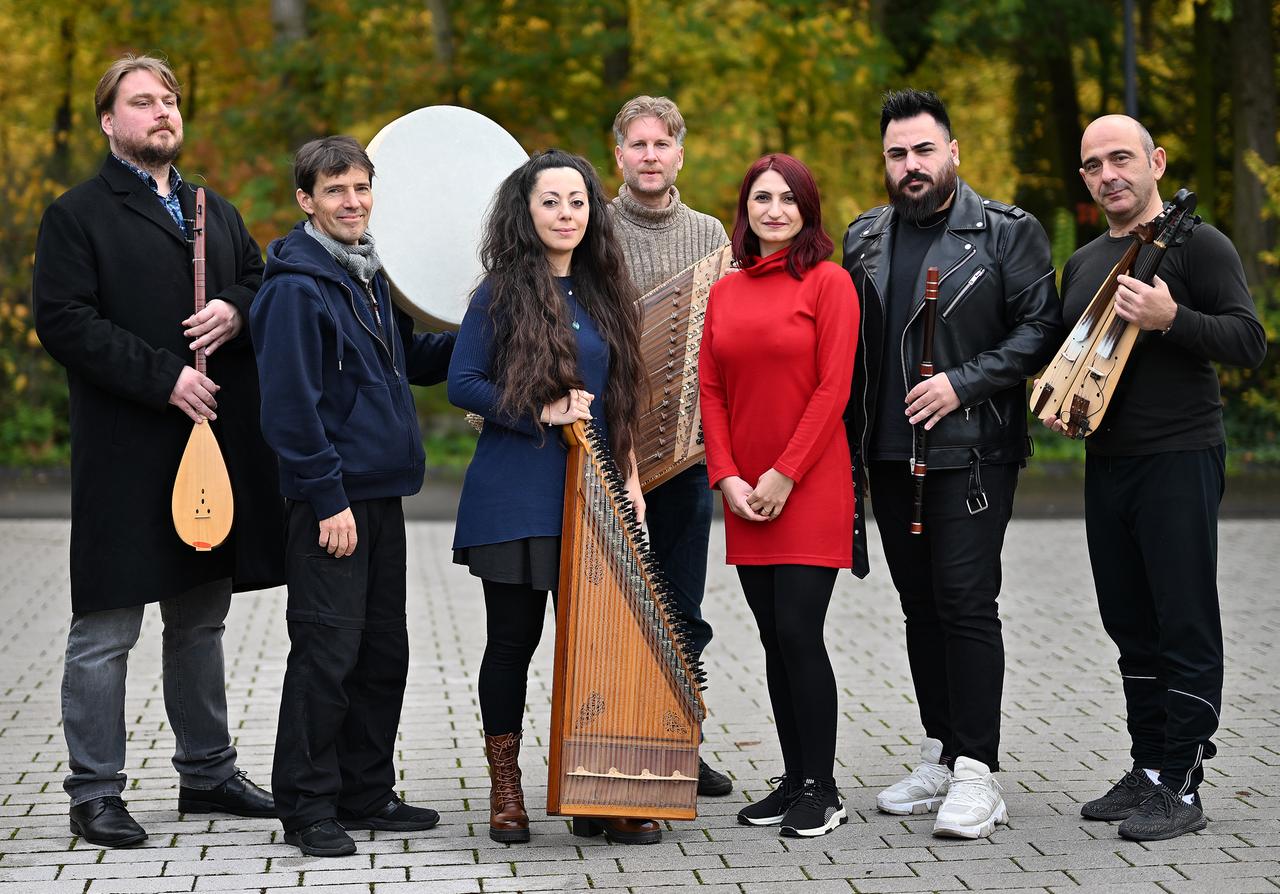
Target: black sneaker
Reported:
[(394, 816), (815, 812), (323, 839), (1125, 797), (712, 783), (1164, 815), (770, 809)]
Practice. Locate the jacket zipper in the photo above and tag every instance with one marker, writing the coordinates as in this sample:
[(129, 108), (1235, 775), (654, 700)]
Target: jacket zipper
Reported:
[(902, 345), (866, 369), (964, 290), (390, 356)]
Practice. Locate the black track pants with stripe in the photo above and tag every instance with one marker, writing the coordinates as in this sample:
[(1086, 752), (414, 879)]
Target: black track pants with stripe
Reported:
[(1153, 543)]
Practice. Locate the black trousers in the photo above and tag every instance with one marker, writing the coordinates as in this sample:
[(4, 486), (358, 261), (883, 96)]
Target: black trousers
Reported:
[(790, 605), (348, 661), (1153, 542), (948, 579), (514, 615), (678, 516)]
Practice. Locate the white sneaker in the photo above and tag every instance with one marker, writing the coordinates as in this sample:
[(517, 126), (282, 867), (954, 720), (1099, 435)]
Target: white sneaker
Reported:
[(923, 789), (974, 804)]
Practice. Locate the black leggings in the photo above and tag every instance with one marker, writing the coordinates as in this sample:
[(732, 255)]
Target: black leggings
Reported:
[(514, 614), (790, 604)]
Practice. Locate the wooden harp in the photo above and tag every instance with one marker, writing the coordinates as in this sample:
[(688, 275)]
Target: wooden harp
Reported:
[(202, 506), (626, 703)]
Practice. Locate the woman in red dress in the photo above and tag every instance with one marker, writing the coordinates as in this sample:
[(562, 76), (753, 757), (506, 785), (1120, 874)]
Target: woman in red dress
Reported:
[(775, 370)]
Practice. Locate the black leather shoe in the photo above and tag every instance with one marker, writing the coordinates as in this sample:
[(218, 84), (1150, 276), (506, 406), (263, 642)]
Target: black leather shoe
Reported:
[(618, 831), (394, 816), (712, 783), (326, 838), (106, 823), (237, 796)]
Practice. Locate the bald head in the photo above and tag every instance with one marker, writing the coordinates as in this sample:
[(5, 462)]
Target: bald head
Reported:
[(1113, 123), (1121, 165)]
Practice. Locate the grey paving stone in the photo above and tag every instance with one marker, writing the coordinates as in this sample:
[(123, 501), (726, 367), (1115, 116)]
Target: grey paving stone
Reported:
[(141, 885), (1063, 742)]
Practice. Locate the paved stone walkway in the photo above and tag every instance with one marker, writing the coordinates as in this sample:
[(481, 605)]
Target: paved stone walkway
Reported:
[(1063, 742)]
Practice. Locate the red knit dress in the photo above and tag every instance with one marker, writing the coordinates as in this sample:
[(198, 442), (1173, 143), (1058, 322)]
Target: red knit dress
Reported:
[(775, 370)]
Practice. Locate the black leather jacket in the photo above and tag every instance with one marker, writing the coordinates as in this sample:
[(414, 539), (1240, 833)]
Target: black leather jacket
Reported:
[(999, 321)]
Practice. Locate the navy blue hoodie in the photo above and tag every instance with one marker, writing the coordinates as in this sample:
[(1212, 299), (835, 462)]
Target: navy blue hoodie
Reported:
[(336, 405)]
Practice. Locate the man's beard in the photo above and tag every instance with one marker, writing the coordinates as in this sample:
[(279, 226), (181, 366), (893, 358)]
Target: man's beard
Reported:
[(633, 184), (919, 208), (149, 154)]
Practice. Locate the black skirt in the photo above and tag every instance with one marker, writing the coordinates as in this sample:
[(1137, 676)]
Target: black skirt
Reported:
[(532, 561)]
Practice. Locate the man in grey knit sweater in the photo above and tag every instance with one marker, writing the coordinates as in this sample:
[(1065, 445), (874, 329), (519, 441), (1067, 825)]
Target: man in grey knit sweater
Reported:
[(661, 236)]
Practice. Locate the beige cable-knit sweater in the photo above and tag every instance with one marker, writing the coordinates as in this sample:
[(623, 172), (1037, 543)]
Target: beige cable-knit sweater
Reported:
[(659, 244)]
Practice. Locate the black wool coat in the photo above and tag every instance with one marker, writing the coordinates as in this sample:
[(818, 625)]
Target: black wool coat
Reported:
[(113, 282)]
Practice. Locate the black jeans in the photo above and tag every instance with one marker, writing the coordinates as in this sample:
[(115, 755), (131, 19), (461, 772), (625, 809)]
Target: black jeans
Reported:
[(1152, 523), (513, 619), (790, 605), (348, 661), (948, 579), (678, 514)]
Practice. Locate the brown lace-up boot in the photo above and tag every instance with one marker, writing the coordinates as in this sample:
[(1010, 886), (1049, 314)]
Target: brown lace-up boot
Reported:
[(508, 821)]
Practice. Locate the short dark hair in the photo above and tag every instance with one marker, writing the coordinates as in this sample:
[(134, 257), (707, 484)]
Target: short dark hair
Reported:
[(329, 156), (812, 245), (901, 104)]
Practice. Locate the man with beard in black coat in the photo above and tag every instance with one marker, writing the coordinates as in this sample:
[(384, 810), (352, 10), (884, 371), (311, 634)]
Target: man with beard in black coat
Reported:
[(998, 320), (113, 299)]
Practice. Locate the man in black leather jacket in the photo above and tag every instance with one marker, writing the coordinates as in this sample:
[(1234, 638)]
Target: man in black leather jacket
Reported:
[(998, 320)]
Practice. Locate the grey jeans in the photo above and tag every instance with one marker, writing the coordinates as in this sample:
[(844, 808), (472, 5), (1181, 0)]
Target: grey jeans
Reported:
[(93, 692)]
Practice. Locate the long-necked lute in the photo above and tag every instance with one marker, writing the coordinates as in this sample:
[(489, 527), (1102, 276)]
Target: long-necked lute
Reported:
[(203, 507)]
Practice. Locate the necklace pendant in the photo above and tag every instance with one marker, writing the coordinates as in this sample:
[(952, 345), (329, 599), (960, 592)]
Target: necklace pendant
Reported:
[(576, 325)]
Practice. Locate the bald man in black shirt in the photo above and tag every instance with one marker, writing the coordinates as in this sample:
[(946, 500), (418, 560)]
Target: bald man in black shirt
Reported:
[(1154, 476)]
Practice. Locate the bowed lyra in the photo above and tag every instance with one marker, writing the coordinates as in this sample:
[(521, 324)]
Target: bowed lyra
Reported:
[(1080, 381)]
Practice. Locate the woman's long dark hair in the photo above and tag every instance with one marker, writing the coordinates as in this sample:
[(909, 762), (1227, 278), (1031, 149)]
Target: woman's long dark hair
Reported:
[(535, 354)]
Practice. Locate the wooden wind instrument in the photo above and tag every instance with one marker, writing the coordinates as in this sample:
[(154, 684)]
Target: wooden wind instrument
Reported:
[(1079, 383), (920, 462), (203, 507)]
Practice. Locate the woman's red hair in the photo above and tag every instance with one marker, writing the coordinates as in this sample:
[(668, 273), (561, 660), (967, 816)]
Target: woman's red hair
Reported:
[(812, 244)]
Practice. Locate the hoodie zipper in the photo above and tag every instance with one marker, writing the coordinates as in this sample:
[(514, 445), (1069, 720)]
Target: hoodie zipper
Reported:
[(390, 356)]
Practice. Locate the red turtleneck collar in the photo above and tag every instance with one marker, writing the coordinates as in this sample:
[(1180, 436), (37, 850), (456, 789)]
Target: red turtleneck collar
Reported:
[(760, 266)]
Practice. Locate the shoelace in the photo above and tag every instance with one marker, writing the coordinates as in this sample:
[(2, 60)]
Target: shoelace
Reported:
[(812, 793), (1162, 801), (971, 791), (1129, 780), (927, 774), (506, 779)]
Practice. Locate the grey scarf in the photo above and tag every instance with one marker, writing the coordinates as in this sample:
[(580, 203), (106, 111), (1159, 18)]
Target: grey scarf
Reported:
[(361, 260)]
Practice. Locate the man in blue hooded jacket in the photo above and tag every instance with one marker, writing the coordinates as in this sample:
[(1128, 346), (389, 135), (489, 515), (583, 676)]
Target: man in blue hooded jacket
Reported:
[(335, 360)]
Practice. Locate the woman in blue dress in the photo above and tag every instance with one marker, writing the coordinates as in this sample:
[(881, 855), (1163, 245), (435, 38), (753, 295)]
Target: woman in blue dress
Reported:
[(551, 337)]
